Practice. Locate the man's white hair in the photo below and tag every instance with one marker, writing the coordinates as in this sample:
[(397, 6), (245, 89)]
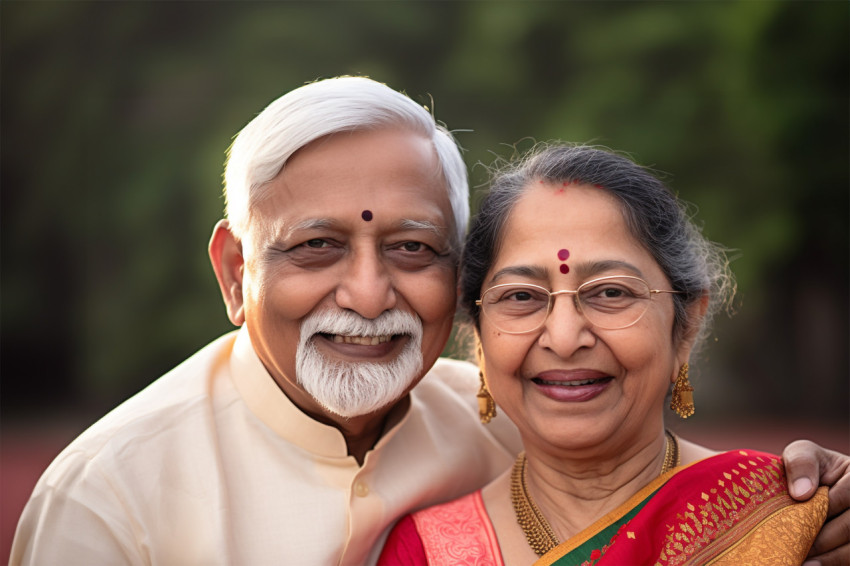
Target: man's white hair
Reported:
[(326, 107)]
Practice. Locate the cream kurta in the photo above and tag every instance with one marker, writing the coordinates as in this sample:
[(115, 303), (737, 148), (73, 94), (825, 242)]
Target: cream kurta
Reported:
[(212, 464)]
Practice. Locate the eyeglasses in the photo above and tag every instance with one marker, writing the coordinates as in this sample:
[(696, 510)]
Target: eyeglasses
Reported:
[(609, 303)]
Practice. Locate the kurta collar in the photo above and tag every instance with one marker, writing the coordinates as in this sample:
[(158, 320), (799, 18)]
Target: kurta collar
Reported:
[(269, 403)]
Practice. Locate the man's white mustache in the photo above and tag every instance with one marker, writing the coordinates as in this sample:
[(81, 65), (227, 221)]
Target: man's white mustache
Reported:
[(344, 324), (350, 389)]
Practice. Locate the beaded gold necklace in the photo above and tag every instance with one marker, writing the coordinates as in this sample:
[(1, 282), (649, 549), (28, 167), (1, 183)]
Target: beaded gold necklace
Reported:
[(538, 532)]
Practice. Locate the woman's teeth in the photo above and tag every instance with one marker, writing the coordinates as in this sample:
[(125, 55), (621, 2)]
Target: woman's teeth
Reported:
[(567, 383), (362, 340)]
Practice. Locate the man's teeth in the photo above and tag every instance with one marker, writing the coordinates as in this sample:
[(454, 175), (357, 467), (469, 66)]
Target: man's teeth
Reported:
[(362, 340)]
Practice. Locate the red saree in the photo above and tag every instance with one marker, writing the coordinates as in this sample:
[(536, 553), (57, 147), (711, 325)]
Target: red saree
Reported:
[(732, 508)]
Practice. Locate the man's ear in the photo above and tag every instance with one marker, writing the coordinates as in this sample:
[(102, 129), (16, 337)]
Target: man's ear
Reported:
[(696, 313), (228, 263)]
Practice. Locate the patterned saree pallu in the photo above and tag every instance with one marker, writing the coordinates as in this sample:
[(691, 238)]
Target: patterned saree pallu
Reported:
[(733, 508)]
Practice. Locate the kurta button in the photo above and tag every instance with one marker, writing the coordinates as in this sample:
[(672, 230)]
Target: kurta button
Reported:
[(361, 489)]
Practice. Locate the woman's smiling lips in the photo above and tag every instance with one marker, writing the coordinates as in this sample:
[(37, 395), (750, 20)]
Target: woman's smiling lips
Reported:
[(571, 385)]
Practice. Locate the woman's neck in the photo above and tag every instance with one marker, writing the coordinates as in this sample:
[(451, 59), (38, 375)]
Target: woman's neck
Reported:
[(584, 491), (573, 493)]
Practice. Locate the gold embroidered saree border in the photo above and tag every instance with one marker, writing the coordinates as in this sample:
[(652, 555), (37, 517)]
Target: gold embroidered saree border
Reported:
[(742, 534)]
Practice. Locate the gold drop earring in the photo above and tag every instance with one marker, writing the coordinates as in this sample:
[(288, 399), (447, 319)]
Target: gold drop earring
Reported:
[(683, 394), (486, 404)]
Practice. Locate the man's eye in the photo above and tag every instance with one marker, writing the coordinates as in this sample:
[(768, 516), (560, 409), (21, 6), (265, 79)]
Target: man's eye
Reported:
[(316, 243), (411, 255), (413, 246)]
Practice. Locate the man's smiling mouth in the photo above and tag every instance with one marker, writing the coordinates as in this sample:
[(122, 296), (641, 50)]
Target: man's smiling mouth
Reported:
[(361, 340)]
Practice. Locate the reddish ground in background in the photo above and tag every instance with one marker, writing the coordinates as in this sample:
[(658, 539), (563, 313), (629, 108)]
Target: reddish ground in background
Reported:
[(25, 452)]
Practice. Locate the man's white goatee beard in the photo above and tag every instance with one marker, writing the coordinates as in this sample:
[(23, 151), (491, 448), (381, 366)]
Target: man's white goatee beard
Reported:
[(354, 389)]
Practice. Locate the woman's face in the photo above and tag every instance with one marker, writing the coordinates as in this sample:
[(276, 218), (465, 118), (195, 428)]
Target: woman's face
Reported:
[(570, 385)]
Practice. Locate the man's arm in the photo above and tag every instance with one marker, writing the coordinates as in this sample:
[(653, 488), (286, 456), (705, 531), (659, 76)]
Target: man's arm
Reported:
[(75, 516), (808, 465)]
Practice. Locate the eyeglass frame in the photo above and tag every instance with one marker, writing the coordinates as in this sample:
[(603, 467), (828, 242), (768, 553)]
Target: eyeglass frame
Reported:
[(552, 294)]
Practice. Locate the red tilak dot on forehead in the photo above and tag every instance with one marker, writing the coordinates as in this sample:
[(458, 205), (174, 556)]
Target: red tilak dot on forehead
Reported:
[(563, 254), (366, 215), (565, 268)]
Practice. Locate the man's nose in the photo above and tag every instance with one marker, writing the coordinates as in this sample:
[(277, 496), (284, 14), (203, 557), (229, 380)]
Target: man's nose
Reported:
[(366, 286)]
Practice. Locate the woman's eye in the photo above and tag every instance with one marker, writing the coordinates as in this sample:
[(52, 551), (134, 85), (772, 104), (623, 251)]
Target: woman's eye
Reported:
[(522, 295), (316, 243), (611, 293)]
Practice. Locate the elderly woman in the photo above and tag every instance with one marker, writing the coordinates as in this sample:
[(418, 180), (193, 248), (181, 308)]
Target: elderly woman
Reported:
[(589, 289)]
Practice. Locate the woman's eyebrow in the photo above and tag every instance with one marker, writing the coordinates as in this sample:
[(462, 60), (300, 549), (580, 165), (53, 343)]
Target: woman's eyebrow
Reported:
[(589, 269), (525, 271)]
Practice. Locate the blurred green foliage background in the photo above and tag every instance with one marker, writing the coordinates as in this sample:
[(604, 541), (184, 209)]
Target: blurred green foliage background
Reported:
[(115, 116)]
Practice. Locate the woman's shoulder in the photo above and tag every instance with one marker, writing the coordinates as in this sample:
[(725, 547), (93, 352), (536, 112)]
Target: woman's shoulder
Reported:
[(452, 529), (697, 459), (692, 452), (469, 507), (738, 495)]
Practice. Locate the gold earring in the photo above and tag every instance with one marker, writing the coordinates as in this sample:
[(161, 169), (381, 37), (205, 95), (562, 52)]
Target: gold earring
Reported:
[(486, 404), (683, 394)]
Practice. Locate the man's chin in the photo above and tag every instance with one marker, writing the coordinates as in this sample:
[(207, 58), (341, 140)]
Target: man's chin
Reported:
[(358, 413), (354, 389), (373, 394), (362, 410)]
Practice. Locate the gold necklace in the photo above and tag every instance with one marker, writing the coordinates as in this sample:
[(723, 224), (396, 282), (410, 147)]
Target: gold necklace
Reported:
[(538, 532)]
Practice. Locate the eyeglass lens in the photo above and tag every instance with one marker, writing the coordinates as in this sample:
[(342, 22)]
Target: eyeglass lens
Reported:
[(608, 303)]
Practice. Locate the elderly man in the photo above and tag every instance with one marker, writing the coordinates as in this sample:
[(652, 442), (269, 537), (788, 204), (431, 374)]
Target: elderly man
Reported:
[(300, 438)]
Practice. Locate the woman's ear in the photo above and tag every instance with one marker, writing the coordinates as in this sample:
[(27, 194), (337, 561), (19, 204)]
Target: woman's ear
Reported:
[(225, 251), (687, 340)]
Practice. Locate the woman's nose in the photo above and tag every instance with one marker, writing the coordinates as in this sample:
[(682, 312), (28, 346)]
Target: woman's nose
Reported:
[(566, 329)]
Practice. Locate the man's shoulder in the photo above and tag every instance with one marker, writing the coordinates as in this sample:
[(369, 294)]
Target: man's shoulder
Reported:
[(180, 397), (449, 383), (458, 375), (448, 394)]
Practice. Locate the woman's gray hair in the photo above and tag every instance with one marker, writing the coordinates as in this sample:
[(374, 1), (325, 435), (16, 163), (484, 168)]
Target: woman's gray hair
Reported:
[(656, 218), (330, 106)]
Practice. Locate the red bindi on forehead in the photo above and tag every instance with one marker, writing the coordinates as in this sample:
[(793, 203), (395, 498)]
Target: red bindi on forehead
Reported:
[(563, 255)]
